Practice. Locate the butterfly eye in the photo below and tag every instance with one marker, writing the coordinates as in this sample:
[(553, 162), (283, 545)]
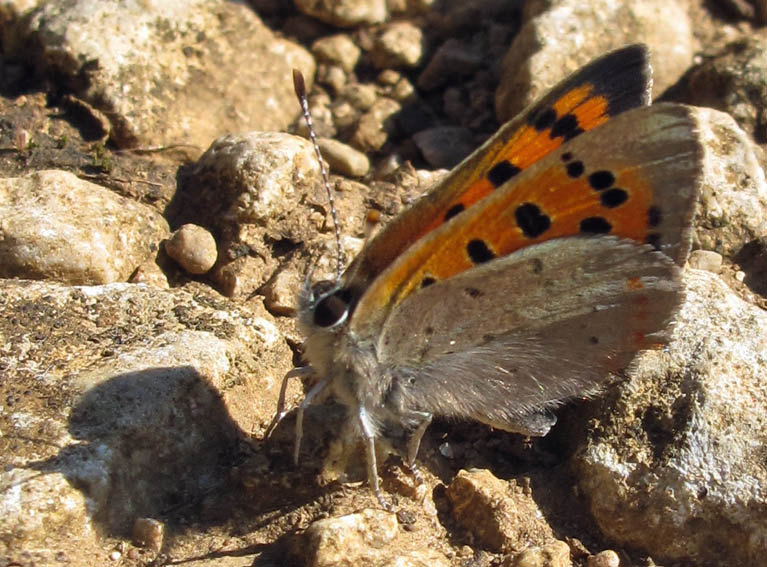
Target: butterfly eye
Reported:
[(331, 310)]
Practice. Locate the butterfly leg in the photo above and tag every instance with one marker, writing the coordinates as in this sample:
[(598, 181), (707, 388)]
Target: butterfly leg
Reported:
[(424, 419), (301, 372), (318, 389), (368, 433)]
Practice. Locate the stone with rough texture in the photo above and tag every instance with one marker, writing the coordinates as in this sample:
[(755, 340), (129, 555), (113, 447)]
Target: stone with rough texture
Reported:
[(740, 75), (363, 538), (247, 187), (361, 96), (375, 125), (55, 226), (563, 35), (451, 61), (752, 260), (733, 201), (185, 446), (345, 13), (555, 554), (281, 292), (337, 49), (398, 45), (679, 451), (171, 72), (119, 402), (148, 532), (260, 191), (500, 514)]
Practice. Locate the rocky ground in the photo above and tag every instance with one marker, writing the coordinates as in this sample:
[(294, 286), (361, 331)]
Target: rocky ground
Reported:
[(160, 208)]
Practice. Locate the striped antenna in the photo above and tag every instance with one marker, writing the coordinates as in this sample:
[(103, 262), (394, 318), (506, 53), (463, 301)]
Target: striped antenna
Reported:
[(300, 87)]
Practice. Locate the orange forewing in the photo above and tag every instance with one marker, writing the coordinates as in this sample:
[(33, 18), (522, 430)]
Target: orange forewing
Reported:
[(585, 188), (612, 84), (566, 202)]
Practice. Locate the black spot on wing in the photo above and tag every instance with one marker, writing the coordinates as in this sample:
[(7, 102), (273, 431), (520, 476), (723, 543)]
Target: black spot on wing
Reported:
[(601, 180), (473, 292), (479, 252), (654, 216), (501, 172), (595, 225), (653, 239), (566, 127), (613, 197), (454, 210), (543, 119), (531, 220), (574, 169)]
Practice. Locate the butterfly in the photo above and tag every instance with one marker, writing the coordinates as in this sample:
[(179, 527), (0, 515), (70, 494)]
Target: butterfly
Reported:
[(542, 263)]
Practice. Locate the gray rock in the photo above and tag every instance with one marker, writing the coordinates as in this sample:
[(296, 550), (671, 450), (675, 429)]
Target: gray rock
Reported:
[(444, 147), (375, 125), (676, 468), (739, 73), (452, 60), (259, 190), (172, 72), (706, 260), (56, 226), (555, 554), (247, 187), (607, 558), (733, 203), (135, 399), (563, 35), (345, 13), (501, 515)]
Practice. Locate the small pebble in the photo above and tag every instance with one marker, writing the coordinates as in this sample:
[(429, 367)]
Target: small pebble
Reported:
[(148, 532), (706, 260), (338, 50), (344, 159), (151, 274), (399, 44), (446, 450), (193, 247), (280, 292), (360, 96), (606, 558), (332, 76), (555, 554), (445, 146)]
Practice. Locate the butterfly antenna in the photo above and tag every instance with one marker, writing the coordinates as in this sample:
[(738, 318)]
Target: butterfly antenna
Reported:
[(300, 87)]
